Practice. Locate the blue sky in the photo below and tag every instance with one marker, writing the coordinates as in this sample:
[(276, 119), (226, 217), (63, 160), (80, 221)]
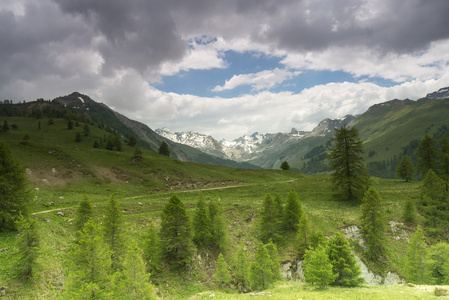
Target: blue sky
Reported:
[(228, 67)]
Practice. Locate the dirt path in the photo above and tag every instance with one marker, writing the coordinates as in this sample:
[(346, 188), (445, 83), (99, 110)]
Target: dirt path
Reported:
[(47, 211)]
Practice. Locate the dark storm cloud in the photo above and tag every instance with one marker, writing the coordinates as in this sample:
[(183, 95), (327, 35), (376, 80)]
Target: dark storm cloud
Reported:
[(138, 34)]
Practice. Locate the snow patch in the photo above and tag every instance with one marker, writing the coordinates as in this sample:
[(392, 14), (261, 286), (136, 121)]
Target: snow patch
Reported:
[(82, 100)]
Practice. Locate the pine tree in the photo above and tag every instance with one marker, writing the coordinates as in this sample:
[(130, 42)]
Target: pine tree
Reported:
[(445, 160), (303, 235), (15, 196), (269, 228), (241, 267), (113, 233), (417, 266), (84, 213), (163, 149), (218, 228), (275, 262), (439, 261), (427, 153), (373, 224), (405, 169), (279, 210), (202, 226), (409, 211), (285, 166), (343, 262), (261, 273), (5, 126), (86, 130), (176, 235), (316, 238), (90, 274), (28, 248), (292, 212), (434, 205), (133, 281), (350, 177), (152, 250), (221, 275), (318, 268)]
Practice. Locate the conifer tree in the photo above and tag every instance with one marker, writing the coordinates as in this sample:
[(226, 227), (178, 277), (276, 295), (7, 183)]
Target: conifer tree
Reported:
[(316, 238), (293, 211), (434, 205), (152, 250), (279, 210), (241, 267), (269, 227), (218, 228), (343, 261), (261, 273), (445, 160), (90, 273), (439, 261), (163, 149), (221, 275), (303, 235), (113, 233), (28, 248), (318, 268), (176, 235), (350, 177), (84, 213), (427, 153), (373, 224), (202, 226), (275, 263), (417, 266), (133, 280), (405, 169), (15, 196), (409, 211)]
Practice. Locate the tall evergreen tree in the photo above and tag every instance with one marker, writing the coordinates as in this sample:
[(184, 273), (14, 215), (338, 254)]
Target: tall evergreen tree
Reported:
[(318, 268), (293, 211), (113, 233), (279, 209), (343, 262), (417, 266), (90, 273), (202, 226), (222, 276), (28, 248), (405, 169), (373, 224), (434, 204), (176, 235), (218, 228), (439, 263), (261, 273), (269, 226), (350, 177), (444, 143), (303, 235), (241, 267), (84, 213), (133, 280), (428, 154), (15, 196), (152, 250), (409, 211), (275, 262), (163, 149)]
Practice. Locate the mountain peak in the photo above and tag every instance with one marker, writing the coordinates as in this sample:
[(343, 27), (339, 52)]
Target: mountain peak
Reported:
[(440, 94)]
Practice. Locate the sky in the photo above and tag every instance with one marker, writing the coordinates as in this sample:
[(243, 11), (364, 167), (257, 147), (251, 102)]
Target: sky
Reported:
[(225, 67)]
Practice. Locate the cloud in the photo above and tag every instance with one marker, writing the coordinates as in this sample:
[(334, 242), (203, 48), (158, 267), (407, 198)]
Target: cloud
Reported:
[(258, 81)]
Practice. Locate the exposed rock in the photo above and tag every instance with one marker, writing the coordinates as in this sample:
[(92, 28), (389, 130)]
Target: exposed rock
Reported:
[(60, 213), (353, 232), (397, 231), (374, 279), (140, 203), (47, 220), (2, 291), (286, 270), (45, 181), (4, 249), (28, 171), (51, 203)]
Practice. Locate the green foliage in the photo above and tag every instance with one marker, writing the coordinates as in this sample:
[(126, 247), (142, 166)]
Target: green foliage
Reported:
[(15, 196), (241, 268), (202, 227), (114, 234), (84, 213), (293, 211), (5, 126), (349, 175), (427, 153), (318, 267), (221, 276), (138, 155), (270, 227), (405, 169), (303, 235), (77, 137), (176, 235), (90, 272), (373, 224), (285, 166), (28, 248), (343, 261), (417, 266), (133, 281), (219, 236), (96, 144), (163, 149), (114, 142), (132, 141), (86, 130), (439, 263), (409, 213), (316, 238), (152, 250), (261, 271), (69, 124), (275, 262)]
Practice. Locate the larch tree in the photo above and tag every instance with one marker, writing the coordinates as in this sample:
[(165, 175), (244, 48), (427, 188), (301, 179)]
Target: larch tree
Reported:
[(113, 233), (439, 263), (405, 169), (409, 213), (417, 266), (241, 269), (373, 224), (28, 248), (318, 268), (14, 193), (202, 227), (261, 273), (343, 261), (222, 276), (84, 213), (176, 234), (292, 212), (427, 154), (350, 177), (152, 250), (269, 226), (303, 235), (163, 149), (219, 237)]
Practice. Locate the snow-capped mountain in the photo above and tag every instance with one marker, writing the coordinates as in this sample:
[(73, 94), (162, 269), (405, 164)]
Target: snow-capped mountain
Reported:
[(248, 147), (442, 93)]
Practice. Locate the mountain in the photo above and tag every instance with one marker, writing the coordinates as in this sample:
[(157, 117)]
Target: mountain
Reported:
[(440, 94)]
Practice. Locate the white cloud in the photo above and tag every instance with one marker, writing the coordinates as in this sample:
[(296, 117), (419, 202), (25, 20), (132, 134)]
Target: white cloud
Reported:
[(258, 81)]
